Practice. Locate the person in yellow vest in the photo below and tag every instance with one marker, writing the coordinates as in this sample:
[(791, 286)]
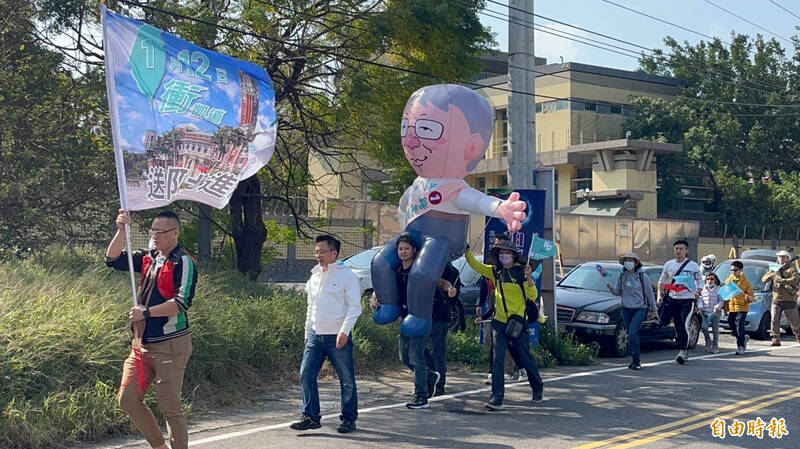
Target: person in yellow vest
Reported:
[(515, 286), (739, 305)]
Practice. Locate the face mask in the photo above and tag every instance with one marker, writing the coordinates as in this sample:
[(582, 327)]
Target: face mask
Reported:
[(710, 284), (506, 259), (628, 266)]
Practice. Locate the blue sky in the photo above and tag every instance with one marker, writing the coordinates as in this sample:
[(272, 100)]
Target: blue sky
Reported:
[(601, 17)]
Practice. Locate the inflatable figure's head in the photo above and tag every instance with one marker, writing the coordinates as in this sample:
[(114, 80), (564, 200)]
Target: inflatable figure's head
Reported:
[(445, 130)]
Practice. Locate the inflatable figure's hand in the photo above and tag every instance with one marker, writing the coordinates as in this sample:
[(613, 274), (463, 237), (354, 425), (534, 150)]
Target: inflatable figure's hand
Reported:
[(512, 211)]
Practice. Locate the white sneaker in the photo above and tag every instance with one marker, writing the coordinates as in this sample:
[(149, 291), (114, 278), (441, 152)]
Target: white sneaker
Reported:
[(523, 376), (740, 350), (488, 379)]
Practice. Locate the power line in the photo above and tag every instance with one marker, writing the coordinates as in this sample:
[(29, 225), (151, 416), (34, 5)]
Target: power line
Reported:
[(665, 21), (571, 25), (721, 72), (748, 21), (712, 38), (364, 61), (781, 7)]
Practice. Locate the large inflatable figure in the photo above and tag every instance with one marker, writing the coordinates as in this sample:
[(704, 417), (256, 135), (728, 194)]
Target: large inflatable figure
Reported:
[(445, 131)]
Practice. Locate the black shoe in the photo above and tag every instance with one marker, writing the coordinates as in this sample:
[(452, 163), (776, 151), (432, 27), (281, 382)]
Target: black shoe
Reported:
[(433, 386), (494, 404), (418, 403), (636, 366), (630, 366), (537, 397), (346, 426), (306, 423), (440, 391)]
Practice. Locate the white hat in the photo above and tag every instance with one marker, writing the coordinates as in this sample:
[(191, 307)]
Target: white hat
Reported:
[(783, 253), (633, 256)]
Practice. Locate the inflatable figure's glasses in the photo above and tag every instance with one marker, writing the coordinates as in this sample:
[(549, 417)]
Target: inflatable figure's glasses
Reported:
[(424, 129)]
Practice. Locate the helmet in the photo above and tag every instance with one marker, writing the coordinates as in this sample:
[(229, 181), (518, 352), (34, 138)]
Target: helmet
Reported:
[(709, 258)]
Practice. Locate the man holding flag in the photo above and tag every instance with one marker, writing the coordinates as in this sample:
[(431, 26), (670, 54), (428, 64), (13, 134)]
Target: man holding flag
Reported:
[(188, 124), (162, 340)]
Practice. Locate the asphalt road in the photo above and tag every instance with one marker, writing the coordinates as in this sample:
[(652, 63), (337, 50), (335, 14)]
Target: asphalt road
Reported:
[(606, 405)]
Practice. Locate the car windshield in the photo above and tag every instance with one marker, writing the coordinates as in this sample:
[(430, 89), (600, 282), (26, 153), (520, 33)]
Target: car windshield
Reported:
[(362, 259), (468, 276), (754, 273), (586, 276)]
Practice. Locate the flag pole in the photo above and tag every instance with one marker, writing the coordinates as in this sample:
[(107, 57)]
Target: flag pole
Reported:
[(120, 162)]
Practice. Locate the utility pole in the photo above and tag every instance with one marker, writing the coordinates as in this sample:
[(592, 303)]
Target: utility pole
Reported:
[(521, 104), (523, 171)]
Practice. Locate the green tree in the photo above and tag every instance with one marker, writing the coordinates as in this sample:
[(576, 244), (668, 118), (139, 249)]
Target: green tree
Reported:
[(331, 101), (732, 120), (56, 167)]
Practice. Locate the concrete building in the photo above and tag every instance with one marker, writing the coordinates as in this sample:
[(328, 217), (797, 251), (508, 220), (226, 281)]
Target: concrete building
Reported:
[(580, 116)]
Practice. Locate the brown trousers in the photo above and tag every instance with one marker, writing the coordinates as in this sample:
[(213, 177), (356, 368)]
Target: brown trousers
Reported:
[(165, 364), (790, 309)]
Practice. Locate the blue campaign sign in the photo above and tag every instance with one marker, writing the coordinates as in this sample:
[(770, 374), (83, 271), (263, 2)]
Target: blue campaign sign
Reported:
[(188, 123), (729, 291), (533, 224)]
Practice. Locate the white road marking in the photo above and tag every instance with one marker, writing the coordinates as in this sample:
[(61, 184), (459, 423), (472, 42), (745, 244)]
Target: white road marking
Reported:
[(227, 436)]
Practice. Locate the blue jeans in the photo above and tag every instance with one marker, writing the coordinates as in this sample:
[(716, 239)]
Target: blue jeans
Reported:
[(633, 323), (317, 348), (412, 354), (520, 350)]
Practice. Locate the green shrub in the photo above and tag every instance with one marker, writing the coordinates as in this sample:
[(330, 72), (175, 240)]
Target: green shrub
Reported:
[(565, 348)]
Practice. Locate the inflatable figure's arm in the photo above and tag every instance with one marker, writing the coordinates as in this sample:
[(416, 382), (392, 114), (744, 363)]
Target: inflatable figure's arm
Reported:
[(482, 269), (510, 210)]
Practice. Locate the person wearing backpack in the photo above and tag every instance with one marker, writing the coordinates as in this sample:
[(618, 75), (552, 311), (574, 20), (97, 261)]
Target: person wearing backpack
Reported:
[(634, 286), (784, 291), (514, 285), (678, 298)]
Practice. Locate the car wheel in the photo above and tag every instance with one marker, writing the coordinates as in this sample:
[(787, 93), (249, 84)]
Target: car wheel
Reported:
[(694, 331), (763, 327), (457, 319), (619, 343)]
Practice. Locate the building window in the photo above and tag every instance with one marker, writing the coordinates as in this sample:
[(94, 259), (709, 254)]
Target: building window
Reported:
[(628, 111), (482, 183), (616, 109), (501, 143), (577, 105), (604, 109), (548, 107), (590, 106), (562, 104), (504, 181), (538, 108)]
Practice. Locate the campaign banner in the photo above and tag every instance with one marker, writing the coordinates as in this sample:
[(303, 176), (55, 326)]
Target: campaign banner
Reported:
[(188, 123), (729, 291)]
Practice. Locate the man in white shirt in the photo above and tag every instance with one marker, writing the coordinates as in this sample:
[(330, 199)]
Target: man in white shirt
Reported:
[(334, 305), (681, 293)]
